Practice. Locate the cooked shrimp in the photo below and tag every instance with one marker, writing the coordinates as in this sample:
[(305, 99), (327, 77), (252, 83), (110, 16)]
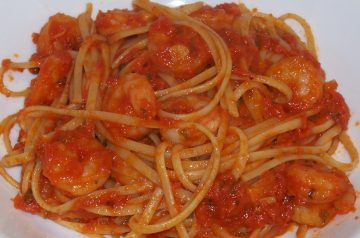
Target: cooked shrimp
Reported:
[(320, 214), (220, 17), (315, 183), (112, 21), (303, 77), (131, 95), (269, 186), (124, 173), (74, 161), (51, 79), (188, 104), (232, 203), (61, 32), (177, 49), (313, 215), (346, 203)]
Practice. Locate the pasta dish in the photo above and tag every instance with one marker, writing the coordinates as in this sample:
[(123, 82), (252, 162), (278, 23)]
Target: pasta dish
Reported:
[(195, 121)]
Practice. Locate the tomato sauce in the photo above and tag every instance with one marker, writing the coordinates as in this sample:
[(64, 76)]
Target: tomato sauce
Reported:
[(113, 199), (115, 20), (27, 203), (101, 223), (272, 109), (157, 83), (177, 49), (220, 17), (132, 54), (179, 105), (68, 154), (244, 120), (234, 204), (50, 82), (60, 33), (334, 106), (244, 52), (272, 197), (130, 95)]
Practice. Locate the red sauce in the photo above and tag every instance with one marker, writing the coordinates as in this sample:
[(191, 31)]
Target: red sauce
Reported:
[(233, 204), (27, 203), (244, 120), (296, 136), (179, 105), (132, 54), (115, 20), (272, 47), (113, 199), (305, 79), (47, 190), (65, 156), (244, 52), (101, 223), (130, 95), (334, 105), (60, 33), (268, 43), (272, 109), (271, 198), (177, 49), (220, 17), (157, 83), (143, 65), (168, 122), (6, 63), (50, 82), (181, 52)]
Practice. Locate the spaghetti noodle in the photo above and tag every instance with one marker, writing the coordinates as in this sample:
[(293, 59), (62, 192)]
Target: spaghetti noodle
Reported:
[(194, 121)]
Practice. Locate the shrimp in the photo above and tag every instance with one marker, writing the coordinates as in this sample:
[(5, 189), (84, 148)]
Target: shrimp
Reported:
[(315, 183), (304, 78), (124, 173), (313, 215), (233, 204), (61, 32), (74, 161), (220, 17), (188, 104), (271, 50), (131, 95), (177, 49), (346, 203), (51, 79), (301, 191), (112, 21), (322, 213)]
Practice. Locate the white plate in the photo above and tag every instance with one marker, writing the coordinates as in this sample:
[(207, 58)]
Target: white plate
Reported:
[(336, 27)]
